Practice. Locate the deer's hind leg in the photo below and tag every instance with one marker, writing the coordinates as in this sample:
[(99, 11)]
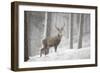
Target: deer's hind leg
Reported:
[(46, 51), (42, 52), (55, 48)]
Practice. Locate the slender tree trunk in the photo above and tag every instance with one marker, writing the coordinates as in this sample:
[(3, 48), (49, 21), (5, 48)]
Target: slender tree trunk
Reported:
[(71, 31), (49, 17), (81, 30), (68, 24)]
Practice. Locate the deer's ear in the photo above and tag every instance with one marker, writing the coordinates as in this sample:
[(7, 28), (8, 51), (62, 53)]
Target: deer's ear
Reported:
[(58, 29)]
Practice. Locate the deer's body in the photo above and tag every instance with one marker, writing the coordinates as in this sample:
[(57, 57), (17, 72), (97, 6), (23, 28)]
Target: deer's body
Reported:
[(51, 42)]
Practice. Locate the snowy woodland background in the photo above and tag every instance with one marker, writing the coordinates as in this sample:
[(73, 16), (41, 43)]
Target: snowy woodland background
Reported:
[(75, 43)]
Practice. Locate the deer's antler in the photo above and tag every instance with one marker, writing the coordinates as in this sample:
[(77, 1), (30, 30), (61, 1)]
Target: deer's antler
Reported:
[(63, 27), (57, 28)]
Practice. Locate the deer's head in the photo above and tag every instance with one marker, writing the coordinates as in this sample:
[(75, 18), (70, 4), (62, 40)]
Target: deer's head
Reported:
[(60, 30)]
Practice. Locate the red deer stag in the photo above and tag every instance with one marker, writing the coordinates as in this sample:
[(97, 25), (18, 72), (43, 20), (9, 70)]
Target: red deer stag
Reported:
[(51, 41)]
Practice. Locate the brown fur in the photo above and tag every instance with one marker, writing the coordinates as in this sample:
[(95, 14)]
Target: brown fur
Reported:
[(51, 42)]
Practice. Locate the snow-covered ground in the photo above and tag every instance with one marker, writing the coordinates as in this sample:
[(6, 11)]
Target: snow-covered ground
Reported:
[(64, 53), (68, 54)]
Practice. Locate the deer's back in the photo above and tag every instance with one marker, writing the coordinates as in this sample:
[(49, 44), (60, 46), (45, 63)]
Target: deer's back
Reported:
[(51, 41)]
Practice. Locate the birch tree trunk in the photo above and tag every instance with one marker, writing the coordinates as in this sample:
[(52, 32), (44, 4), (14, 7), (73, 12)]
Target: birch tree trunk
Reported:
[(45, 24), (81, 30), (71, 31)]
